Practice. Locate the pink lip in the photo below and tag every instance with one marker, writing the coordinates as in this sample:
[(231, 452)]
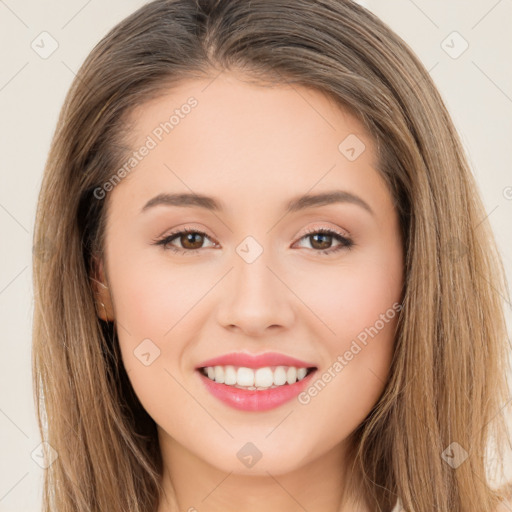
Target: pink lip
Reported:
[(254, 400), (255, 361)]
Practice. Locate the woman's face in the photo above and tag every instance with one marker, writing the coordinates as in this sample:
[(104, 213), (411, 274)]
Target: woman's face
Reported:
[(258, 275)]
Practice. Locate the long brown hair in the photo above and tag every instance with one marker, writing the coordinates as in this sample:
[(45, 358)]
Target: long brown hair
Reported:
[(447, 383)]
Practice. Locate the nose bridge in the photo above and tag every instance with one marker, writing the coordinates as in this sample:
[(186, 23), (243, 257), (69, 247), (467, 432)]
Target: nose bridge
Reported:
[(254, 284), (256, 298)]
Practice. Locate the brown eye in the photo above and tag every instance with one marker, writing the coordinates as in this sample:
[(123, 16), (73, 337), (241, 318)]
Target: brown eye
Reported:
[(191, 240), (187, 241), (321, 241)]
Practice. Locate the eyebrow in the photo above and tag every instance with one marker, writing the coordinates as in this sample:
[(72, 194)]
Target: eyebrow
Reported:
[(296, 204)]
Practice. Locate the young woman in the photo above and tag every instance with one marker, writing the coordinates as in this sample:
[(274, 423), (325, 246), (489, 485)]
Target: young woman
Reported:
[(271, 284)]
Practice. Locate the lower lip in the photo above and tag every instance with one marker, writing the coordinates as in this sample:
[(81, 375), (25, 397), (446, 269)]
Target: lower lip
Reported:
[(254, 400)]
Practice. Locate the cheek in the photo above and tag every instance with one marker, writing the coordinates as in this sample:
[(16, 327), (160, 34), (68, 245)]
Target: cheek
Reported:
[(149, 302), (351, 296), (149, 296), (358, 304), (146, 307)]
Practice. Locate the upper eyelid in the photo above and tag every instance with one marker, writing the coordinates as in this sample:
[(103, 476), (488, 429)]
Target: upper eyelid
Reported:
[(317, 229), (340, 231), (309, 232)]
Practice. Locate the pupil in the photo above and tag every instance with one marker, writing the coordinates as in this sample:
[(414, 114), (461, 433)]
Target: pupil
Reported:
[(325, 244), (190, 239)]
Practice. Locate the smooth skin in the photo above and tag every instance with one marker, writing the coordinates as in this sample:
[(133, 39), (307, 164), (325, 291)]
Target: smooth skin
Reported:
[(253, 149)]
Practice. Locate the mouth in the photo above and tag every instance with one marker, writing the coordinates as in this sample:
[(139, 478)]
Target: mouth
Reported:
[(255, 389), (256, 379)]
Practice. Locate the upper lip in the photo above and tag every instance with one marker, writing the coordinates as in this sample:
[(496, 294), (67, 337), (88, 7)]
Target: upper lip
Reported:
[(255, 360)]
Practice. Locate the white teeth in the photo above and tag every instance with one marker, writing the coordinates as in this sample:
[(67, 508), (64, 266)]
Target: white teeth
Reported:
[(229, 375), (245, 376), (291, 375), (260, 378), (280, 376), (301, 373), (263, 377), (219, 374)]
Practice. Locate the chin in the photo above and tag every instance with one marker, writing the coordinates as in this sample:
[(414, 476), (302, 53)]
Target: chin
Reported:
[(252, 458)]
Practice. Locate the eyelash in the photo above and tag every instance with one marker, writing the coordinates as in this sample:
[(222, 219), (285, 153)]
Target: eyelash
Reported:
[(345, 243)]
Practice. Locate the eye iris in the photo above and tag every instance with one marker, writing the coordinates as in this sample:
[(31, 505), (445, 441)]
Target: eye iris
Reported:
[(325, 244), (189, 237)]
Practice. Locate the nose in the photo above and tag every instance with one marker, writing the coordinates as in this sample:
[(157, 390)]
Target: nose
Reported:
[(255, 298)]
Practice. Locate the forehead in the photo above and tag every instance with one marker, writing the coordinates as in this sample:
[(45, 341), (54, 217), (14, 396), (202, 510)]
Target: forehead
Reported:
[(225, 136), (231, 103)]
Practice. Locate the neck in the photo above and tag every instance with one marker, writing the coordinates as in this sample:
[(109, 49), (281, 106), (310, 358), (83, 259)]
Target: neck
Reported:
[(192, 484)]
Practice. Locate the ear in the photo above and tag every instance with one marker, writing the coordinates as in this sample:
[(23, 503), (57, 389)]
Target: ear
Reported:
[(102, 296)]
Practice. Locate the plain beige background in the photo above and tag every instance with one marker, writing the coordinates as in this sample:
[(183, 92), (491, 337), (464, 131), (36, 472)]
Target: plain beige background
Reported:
[(475, 82)]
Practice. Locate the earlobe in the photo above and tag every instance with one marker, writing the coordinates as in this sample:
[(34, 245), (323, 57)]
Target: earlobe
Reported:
[(102, 295)]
